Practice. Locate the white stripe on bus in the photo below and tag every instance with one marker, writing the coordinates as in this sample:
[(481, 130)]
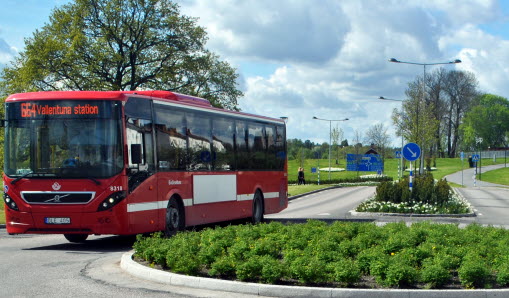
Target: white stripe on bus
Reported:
[(136, 207)]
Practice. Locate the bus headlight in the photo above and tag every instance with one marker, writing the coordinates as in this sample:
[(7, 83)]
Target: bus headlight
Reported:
[(10, 202), (112, 200)]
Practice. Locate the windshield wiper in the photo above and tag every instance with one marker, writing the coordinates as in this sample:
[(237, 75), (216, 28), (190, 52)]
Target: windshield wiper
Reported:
[(29, 174), (97, 182), (21, 177)]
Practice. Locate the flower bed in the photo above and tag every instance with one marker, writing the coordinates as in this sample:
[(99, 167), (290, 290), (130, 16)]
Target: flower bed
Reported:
[(426, 197), (343, 254), (454, 206)]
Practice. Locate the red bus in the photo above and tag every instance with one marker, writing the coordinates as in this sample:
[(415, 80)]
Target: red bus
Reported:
[(128, 162)]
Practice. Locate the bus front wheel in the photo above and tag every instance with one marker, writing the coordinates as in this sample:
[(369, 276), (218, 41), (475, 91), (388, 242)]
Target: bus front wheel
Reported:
[(76, 238), (175, 220), (257, 216)]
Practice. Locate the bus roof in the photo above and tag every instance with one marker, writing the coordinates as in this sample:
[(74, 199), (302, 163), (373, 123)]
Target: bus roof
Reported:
[(165, 96)]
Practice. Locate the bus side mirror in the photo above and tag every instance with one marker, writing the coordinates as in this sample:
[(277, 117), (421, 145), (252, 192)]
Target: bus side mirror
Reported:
[(136, 157)]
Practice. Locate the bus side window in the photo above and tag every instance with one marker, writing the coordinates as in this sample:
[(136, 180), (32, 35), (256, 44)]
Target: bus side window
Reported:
[(139, 138)]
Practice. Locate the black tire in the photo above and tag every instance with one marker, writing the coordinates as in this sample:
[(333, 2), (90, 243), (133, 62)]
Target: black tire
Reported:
[(175, 218), (76, 238), (258, 209)]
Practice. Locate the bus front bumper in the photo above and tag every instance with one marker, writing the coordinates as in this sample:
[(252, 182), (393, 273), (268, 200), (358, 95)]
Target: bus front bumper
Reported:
[(105, 222)]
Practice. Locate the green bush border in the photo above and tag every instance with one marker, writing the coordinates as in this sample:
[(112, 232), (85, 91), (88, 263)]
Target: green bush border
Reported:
[(426, 197), (342, 254)]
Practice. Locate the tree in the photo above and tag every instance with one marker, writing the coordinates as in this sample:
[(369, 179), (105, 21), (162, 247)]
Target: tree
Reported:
[(431, 116), (377, 135), (488, 119), (337, 135), (122, 45), (461, 89)]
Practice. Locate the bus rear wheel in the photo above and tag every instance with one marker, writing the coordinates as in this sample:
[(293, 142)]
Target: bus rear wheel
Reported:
[(76, 238), (175, 218), (257, 216)]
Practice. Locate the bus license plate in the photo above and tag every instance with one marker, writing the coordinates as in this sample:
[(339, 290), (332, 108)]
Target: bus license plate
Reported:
[(57, 220)]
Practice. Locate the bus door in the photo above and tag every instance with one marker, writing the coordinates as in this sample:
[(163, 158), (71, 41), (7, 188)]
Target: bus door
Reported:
[(142, 204)]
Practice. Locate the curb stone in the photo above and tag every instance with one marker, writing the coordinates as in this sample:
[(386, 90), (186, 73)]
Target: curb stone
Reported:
[(135, 269)]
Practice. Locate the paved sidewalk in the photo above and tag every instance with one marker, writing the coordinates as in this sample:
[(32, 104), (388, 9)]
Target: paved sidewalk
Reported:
[(466, 177)]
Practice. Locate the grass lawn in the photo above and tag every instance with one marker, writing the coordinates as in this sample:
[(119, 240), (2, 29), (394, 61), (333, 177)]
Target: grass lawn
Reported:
[(444, 167), (500, 176)]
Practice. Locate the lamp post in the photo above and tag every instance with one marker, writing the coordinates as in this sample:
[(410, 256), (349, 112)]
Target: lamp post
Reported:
[(330, 136), (394, 60), (401, 152)]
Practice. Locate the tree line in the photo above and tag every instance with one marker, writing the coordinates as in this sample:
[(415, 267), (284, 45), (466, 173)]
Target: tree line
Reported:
[(445, 113)]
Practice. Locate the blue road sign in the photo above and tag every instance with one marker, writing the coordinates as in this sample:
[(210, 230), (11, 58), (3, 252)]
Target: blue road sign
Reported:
[(462, 155), (411, 151), (475, 157), (313, 170), (364, 162), (398, 154)]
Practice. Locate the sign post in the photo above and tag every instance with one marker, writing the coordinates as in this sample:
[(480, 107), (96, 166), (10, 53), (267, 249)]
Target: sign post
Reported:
[(462, 156), (411, 152), (475, 158)]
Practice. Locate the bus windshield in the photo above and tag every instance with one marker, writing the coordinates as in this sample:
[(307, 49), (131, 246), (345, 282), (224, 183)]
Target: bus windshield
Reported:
[(45, 139)]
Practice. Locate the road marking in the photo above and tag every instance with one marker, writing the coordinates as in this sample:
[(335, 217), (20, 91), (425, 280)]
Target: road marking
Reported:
[(324, 214)]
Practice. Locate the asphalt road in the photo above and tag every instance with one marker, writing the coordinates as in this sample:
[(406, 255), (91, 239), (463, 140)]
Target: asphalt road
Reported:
[(49, 266)]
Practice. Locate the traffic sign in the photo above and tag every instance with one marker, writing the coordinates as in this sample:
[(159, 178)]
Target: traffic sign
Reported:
[(462, 155), (398, 154), (411, 151), (475, 157)]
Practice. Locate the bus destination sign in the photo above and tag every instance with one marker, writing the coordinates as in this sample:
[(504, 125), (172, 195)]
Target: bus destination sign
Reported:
[(62, 109), (34, 110)]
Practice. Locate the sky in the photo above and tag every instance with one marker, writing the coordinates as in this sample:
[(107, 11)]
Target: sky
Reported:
[(327, 58)]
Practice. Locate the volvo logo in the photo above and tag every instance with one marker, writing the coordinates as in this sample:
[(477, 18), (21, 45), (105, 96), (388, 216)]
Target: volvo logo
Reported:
[(56, 186), (56, 199)]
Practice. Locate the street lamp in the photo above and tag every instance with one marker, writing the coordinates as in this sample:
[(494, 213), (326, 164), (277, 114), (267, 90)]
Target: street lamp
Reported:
[(401, 152), (330, 136), (394, 60)]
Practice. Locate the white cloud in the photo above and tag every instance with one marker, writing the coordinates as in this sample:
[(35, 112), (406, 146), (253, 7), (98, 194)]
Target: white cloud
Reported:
[(333, 57), (328, 58), (7, 53)]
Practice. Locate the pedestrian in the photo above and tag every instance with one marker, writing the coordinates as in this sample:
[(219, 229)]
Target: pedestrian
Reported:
[(301, 176)]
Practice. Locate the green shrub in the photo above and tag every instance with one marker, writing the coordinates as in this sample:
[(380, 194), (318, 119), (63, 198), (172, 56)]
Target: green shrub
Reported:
[(182, 253), (434, 274), (474, 273), (378, 268), (395, 255), (368, 257), (442, 192), (308, 269), (272, 270), (152, 249), (503, 275), (250, 270), (345, 271), (399, 273), (223, 267)]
